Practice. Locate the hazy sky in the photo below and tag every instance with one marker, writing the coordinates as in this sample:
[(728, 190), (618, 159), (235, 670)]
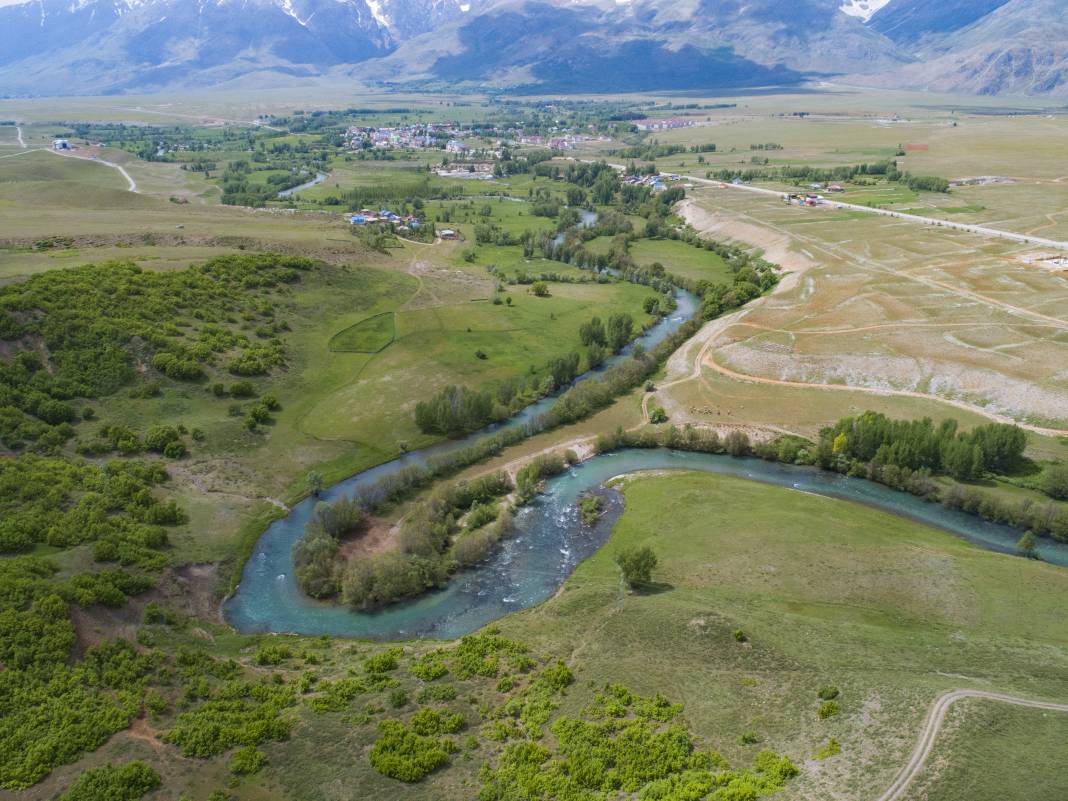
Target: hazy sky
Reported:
[(10, 2)]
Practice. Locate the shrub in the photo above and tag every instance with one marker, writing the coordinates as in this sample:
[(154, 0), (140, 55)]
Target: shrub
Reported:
[(828, 709), (398, 698), (126, 783), (402, 754), (240, 389), (828, 692), (438, 692), (740, 635), (833, 747), (247, 760), (383, 662), (429, 722), (430, 667)]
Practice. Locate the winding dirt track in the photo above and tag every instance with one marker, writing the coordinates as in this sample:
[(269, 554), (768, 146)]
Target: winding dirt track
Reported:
[(131, 183), (936, 715)]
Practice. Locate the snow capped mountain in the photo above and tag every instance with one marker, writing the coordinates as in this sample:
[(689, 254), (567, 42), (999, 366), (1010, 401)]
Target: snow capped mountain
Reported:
[(862, 9), (81, 46), (113, 46)]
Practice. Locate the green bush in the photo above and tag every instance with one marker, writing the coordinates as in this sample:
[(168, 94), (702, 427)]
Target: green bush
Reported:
[(248, 760), (828, 709), (828, 692), (383, 662), (402, 754), (129, 782)]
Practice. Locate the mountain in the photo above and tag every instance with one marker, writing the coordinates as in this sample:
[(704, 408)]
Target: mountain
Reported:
[(862, 9), (986, 47), (640, 45), (911, 22), (105, 46), (55, 47)]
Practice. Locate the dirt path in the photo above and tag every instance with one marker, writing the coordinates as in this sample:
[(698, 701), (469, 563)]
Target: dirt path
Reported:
[(22, 153), (936, 716), (18, 135), (131, 183)]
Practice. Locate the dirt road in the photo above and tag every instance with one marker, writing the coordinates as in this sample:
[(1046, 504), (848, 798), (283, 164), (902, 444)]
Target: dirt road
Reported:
[(936, 715), (131, 183), (982, 230)]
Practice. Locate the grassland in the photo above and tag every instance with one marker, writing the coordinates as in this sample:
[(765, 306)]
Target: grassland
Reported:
[(828, 593), (681, 259), (995, 752)]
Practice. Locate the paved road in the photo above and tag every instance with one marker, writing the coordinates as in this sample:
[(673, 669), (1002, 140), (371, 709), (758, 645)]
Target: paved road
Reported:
[(936, 715), (982, 230), (132, 184)]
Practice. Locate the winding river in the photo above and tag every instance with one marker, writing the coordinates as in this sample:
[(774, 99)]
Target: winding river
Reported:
[(549, 541)]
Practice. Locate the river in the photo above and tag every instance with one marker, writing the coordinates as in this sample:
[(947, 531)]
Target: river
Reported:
[(548, 542), (318, 179)]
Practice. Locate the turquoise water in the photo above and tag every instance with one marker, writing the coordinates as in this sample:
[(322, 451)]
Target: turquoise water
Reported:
[(549, 543)]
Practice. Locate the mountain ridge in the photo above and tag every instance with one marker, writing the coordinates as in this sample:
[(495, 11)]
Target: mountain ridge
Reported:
[(54, 47)]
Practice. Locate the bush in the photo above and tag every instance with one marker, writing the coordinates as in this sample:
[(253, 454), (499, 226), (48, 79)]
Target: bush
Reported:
[(383, 662), (402, 754), (740, 636), (129, 782), (247, 760), (828, 709), (240, 389), (828, 692), (833, 747)]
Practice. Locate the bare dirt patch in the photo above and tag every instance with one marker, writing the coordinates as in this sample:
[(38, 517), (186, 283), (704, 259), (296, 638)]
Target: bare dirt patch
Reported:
[(375, 536)]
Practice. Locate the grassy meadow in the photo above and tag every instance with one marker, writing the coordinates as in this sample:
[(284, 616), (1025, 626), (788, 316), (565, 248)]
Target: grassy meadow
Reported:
[(826, 593)]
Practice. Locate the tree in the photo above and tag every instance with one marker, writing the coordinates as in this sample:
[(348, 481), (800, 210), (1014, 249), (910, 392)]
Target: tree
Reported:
[(1027, 546), (737, 443), (1055, 481), (636, 564), (540, 289), (593, 333), (315, 482)]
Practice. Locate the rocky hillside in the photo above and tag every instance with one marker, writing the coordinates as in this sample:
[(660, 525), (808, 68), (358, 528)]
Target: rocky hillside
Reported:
[(987, 47)]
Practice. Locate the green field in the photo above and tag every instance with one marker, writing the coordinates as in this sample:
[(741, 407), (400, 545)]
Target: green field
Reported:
[(367, 336), (828, 593), (989, 751), (681, 259)]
